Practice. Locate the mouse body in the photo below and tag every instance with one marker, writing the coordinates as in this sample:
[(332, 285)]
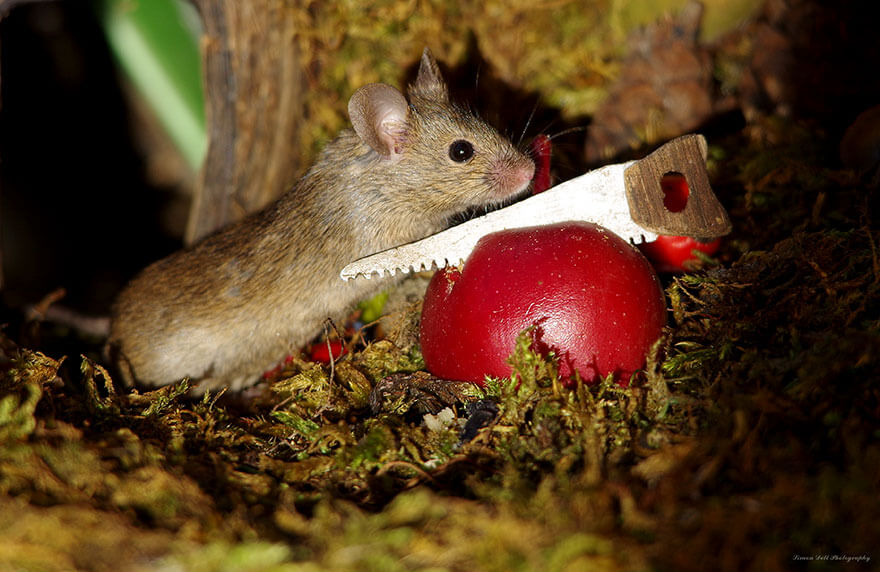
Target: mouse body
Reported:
[(232, 306)]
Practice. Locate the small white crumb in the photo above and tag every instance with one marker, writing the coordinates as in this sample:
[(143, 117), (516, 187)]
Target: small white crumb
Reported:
[(441, 420)]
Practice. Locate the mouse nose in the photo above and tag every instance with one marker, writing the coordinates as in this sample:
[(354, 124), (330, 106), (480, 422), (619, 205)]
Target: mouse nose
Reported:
[(510, 175), (522, 174), (527, 171)]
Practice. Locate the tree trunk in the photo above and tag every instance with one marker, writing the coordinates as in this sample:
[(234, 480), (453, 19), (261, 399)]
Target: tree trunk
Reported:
[(254, 84)]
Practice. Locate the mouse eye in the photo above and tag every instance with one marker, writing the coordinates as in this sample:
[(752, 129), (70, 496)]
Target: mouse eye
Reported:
[(461, 151)]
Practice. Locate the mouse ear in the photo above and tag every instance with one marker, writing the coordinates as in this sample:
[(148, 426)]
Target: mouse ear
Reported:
[(429, 83), (378, 114)]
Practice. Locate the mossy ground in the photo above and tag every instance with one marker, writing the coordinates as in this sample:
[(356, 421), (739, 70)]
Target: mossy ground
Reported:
[(750, 442), (752, 439)]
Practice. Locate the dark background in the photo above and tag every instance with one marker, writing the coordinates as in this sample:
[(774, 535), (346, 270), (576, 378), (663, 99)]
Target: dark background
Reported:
[(78, 209)]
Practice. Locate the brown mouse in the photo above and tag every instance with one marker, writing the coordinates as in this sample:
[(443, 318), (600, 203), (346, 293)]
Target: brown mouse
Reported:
[(233, 305)]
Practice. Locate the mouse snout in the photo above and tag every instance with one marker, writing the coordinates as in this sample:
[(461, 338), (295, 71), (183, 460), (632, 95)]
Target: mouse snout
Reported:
[(525, 173), (509, 177)]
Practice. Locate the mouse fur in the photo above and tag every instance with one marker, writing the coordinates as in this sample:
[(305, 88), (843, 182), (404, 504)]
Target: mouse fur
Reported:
[(233, 305)]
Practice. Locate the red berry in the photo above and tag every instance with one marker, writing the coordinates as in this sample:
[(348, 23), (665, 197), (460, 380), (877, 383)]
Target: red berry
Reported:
[(675, 191), (320, 352), (541, 150), (675, 253)]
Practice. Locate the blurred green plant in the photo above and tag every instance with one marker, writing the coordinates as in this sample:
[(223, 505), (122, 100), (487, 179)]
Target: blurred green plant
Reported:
[(155, 43)]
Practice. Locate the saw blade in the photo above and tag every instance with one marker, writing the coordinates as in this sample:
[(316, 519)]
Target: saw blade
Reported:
[(598, 196)]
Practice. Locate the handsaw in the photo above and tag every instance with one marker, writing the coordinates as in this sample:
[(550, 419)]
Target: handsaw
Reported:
[(625, 198)]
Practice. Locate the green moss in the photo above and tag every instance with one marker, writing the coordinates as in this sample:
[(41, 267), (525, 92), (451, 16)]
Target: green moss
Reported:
[(382, 358)]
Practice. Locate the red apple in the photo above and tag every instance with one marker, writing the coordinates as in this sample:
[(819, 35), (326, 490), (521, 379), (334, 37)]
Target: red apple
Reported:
[(594, 300)]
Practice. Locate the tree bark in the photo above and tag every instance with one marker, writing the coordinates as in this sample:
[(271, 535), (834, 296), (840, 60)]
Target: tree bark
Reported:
[(253, 82)]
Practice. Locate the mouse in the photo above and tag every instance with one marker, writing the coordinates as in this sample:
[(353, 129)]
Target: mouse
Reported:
[(234, 304)]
